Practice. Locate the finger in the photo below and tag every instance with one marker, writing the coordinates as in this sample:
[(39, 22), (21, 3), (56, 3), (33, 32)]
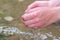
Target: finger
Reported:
[(36, 25), (37, 9), (54, 3), (30, 16), (33, 10), (33, 21), (48, 23), (38, 4)]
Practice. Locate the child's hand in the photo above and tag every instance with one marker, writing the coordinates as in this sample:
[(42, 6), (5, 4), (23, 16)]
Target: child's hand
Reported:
[(50, 3), (39, 17)]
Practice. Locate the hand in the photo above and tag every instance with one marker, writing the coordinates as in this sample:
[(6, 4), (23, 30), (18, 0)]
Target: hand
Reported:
[(40, 17), (33, 11), (50, 3)]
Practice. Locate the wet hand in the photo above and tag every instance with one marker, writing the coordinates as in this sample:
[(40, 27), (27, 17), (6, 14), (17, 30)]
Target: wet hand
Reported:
[(39, 17)]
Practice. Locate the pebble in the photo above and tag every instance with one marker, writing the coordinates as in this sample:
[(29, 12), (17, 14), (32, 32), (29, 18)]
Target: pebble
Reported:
[(59, 38), (12, 30), (55, 39), (49, 35), (20, 0), (1, 29), (8, 18), (43, 37)]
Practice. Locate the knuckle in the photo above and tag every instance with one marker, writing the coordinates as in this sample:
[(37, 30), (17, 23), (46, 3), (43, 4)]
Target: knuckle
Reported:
[(23, 17)]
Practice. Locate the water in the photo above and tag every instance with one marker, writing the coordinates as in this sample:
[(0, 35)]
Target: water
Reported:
[(15, 9)]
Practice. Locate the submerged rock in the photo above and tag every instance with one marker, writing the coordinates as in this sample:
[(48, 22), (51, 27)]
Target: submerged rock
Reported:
[(12, 30), (8, 18), (43, 37)]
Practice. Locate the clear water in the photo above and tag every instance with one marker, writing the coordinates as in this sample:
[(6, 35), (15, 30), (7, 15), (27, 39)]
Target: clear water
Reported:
[(13, 9)]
